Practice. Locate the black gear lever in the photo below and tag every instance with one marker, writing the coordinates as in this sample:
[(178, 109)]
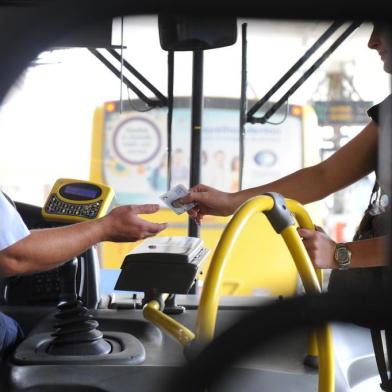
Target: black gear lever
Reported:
[(76, 331), (67, 274)]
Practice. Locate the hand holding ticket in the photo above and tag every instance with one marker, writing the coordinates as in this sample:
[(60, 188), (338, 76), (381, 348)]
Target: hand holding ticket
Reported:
[(170, 198)]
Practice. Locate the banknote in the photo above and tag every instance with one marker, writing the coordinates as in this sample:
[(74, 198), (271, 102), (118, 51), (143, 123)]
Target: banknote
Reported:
[(170, 198)]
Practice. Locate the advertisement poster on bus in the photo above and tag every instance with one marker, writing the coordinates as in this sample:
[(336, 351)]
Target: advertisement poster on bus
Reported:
[(135, 151)]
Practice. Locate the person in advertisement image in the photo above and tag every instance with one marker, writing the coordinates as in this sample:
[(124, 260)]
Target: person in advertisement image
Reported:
[(350, 163), (158, 176), (235, 170), (180, 169), (219, 173)]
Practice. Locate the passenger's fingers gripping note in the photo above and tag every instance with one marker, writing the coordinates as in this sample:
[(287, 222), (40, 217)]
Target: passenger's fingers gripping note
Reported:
[(173, 199)]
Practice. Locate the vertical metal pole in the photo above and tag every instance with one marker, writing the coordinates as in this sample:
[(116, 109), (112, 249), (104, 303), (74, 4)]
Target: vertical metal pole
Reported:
[(385, 158), (196, 126), (170, 86), (122, 64), (243, 106)]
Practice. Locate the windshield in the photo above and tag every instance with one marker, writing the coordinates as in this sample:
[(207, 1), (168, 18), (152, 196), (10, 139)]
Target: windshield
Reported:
[(70, 116)]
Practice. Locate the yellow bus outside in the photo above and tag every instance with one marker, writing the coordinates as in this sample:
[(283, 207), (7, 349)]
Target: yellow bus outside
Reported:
[(129, 154)]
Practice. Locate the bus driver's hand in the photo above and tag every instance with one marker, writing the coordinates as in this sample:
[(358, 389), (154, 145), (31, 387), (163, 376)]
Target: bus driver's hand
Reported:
[(209, 201), (319, 246), (123, 224)]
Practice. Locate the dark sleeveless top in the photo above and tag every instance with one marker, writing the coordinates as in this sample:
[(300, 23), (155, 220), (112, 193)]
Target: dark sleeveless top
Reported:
[(374, 111), (373, 224)]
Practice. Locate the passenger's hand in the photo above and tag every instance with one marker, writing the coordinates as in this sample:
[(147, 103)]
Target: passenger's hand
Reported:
[(320, 247), (123, 224), (209, 201)]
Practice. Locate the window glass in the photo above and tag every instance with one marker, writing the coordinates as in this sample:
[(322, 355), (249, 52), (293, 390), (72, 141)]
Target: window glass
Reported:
[(69, 116)]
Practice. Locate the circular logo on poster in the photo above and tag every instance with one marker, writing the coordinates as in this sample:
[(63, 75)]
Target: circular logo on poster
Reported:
[(137, 140), (265, 158)]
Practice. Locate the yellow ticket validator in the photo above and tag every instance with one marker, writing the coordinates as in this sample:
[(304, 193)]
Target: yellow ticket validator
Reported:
[(73, 200)]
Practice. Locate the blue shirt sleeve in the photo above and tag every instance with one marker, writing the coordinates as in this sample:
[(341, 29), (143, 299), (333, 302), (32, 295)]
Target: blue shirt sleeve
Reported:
[(12, 227)]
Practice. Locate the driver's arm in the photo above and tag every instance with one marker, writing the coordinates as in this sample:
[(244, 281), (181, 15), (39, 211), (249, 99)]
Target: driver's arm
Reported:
[(47, 248)]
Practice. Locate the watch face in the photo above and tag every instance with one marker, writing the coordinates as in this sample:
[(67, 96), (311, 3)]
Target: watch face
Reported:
[(342, 255)]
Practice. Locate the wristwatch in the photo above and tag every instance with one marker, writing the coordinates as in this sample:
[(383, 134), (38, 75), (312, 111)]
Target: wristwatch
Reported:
[(342, 256)]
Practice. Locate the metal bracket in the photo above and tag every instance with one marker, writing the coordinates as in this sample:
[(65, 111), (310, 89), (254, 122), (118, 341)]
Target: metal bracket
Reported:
[(262, 120), (159, 101), (279, 216)]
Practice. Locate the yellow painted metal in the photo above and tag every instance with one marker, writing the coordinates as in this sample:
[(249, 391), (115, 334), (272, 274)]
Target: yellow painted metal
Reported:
[(312, 345), (206, 317), (326, 359), (152, 312), (304, 220), (312, 285), (97, 145), (209, 301), (302, 261)]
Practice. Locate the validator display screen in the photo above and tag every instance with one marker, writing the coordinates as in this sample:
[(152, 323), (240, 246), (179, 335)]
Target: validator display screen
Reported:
[(80, 191)]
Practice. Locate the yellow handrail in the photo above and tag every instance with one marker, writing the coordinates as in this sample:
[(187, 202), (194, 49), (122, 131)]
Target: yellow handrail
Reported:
[(152, 312), (209, 301), (304, 220), (311, 284)]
